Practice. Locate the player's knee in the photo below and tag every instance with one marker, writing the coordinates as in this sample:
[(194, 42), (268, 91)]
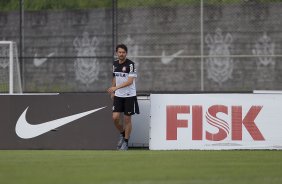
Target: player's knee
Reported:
[(127, 119), (115, 117)]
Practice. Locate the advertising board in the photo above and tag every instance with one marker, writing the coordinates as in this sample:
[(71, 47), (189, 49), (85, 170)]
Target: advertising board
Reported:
[(215, 121), (57, 121)]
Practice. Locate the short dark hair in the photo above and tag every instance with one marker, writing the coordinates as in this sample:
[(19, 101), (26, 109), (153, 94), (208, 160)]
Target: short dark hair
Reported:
[(122, 46)]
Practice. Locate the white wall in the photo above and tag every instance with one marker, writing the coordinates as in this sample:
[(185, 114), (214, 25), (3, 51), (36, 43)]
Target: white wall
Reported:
[(141, 124)]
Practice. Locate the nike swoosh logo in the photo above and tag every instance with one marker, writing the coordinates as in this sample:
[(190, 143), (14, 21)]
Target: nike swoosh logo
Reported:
[(38, 62), (26, 130), (167, 59)]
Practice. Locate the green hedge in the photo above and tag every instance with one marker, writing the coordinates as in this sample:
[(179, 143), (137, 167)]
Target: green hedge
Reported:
[(35, 5), (138, 3)]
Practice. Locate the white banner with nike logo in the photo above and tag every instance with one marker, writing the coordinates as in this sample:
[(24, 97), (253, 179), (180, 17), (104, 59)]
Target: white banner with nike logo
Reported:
[(215, 121)]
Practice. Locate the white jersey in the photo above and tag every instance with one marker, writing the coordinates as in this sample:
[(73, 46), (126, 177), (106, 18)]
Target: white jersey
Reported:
[(121, 72)]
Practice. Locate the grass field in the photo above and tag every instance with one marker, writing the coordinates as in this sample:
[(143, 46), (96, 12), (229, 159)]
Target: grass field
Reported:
[(140, 167)]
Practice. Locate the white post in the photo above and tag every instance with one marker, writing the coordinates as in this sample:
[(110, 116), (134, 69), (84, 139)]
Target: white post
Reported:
[(11, 79), (202, 46)]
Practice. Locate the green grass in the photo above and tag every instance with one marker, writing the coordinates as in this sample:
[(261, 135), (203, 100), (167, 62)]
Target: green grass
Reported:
[(140, 167), (4, 88)]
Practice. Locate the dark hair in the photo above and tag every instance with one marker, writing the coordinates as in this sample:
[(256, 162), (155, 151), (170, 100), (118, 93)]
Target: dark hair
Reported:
[(122, 46)]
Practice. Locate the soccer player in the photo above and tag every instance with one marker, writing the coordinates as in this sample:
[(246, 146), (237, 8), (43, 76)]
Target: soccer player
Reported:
[(123, 93)]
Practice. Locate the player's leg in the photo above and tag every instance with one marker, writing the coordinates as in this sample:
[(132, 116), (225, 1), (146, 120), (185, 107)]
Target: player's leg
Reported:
[(116, 120), (127, 126), (119, 126), (127, 130), (118, 107), (129, 109)]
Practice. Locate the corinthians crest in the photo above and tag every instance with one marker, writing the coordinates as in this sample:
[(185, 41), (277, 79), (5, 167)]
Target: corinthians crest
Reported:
[(264, 50), (132, 49), (219, 69), (86, 69)]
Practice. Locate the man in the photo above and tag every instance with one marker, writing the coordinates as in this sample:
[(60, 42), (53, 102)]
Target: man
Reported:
[(123, 93)]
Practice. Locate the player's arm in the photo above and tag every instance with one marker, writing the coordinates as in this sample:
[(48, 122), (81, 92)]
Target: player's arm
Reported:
[(126, 83), (114, 82), (113, 85)]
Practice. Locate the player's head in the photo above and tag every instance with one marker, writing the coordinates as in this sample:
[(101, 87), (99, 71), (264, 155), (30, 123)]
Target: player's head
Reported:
[(121, 51), (121, 46)]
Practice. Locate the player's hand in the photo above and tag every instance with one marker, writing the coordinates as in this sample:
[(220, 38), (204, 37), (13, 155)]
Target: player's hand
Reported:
[(112, 96), (111, 89)]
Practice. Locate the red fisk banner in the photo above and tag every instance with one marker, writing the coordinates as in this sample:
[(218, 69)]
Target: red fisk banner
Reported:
[(215, 121)]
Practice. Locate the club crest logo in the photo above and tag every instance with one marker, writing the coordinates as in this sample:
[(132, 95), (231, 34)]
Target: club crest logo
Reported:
[(133, 50), (264, 50), (86, 66), (219, 69), (124, 69), (132, 47)]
